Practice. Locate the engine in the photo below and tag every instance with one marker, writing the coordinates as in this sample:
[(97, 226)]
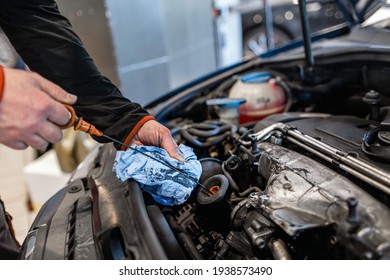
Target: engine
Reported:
[(285, 186)]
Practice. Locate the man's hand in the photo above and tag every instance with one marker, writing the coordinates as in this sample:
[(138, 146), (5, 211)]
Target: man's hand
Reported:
[(31, 110), (153, 133)]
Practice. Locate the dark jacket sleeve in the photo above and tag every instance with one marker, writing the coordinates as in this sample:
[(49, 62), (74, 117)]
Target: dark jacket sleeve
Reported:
[(48, 45)]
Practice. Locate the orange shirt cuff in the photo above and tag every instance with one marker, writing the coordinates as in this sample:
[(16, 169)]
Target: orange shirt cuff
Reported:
[(2, 81), (134, 131)]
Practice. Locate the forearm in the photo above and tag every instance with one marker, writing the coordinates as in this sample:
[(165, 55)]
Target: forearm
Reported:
[(48, 45)]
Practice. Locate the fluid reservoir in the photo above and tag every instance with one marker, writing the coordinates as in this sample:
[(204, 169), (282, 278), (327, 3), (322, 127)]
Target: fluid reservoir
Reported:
[(262, 94)]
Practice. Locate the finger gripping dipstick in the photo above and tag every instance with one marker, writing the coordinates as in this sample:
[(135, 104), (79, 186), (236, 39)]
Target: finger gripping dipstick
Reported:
[(162, 162), (80, 125)]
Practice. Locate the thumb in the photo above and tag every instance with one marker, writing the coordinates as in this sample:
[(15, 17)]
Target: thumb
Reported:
[(56, 92), (171, 147)]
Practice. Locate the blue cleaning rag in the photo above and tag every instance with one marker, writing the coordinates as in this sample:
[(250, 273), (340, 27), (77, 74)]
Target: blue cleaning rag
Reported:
[(167, 186)]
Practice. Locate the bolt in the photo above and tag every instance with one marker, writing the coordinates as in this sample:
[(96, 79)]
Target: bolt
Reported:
[(353, 217), (264, 199), (259, 242), (372, 98), (277, 138), (74, 189), (255, 148)]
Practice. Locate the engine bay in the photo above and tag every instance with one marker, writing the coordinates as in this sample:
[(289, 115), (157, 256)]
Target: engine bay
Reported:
[(295, 160), (288, 175)]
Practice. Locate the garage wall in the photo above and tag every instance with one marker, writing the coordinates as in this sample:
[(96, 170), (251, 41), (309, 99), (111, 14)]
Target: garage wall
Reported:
[(189, 39), (146, 47)]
